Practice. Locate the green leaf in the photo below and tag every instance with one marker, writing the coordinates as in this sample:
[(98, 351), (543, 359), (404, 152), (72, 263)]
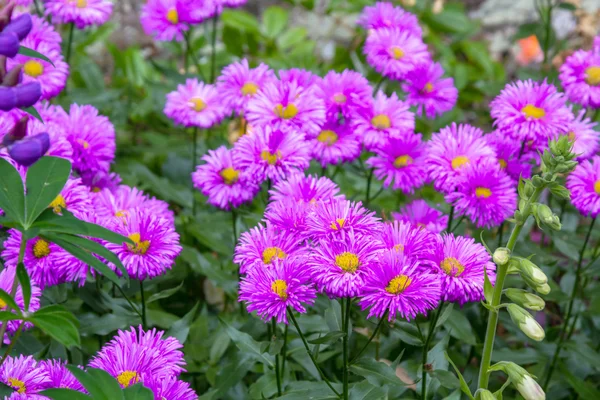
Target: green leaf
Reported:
[(64, 394), (109, 385), (45, 180), (460, 327), (585, 390), (138, 392), (164, 294), (245, 343), (377, 373), (445, 314), (488, 289), (33, 112), (330, 337), (9, 301), (274, 21), (366, 391), (291, 37), (12, 192), (463, 384), (566, 248), (333, 316), (58, 323), (181, 329), (93, 385), (568, 6), (9, 316), (240, 20), (409, 333), (26, 51), (25, 282), (446, 378)]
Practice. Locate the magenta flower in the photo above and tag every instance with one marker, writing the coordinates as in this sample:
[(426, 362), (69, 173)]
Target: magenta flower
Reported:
[(195, 104), (584, 137), (397, 284), (345, 93), (508, 153), (410, 240), (299, 77), (82, 13), (223, 180), (385, 15), (196, 11), (124, 200), (162, 20), (580, 78), (305, 189), (335, 144), (98, 181), (428, 91), (7, 276), (339, 217), (169, 387), (269, 291), (288, 216), (419, 213), (394, 52), (24, 376), (584, 184), (74, 197), (239, 83), (60, 376), (42, 31)]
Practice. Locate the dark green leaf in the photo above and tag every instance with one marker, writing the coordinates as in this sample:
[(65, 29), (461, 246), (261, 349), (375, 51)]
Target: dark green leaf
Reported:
[(138, 392), (567, 6), (33, 112), (330, 337), (45, 180), (585, 390), (58, 327), (12, 192), (26, 51), (488, 289), (164, 294), (245, 343), (109, 385), (240, 20), (181, 329), (366, 391), (9, 301), (64, 394), (566, 248), (409, 333), (274, 21), (333, 316), (445, 314), (446, 378), (377, 373), (93, 385), (25, 282), (460, 327), (463, 384), (9, 316)]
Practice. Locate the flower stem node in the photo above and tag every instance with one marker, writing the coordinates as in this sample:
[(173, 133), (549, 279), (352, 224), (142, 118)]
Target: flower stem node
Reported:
[(526, 323), (501, 256), (525, 299)]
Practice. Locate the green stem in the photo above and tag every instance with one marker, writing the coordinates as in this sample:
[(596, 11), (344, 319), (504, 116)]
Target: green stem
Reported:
[(564, 328), (144, 322), (369, 179), (457, 224), (189, 54), (548, 33), (133, 307), (15, 284), (284, 351), (234, 225), (430, 336), (310, 354), (70, 42), (13, 341), (378, 85), (213, 54), (371, 338), (345, 328), (450, 218), (277, 372), (500, 234), (194, 158), (501, 273)]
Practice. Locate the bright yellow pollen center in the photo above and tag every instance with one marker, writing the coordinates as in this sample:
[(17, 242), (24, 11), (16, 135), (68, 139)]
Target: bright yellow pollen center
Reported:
[(532, 111), (398, 284), (17, 384), (399, 247), (173, 16), (397, 52), (502, 163), (269, 157), (197, 104), (82, 3), (340, 98), (337, 223), (592, 76), (229, 175), (279, 287), (428, 87), (84, 143), (483, 192), (121, 213), (459, 161), (140, 246), (2, 304), (347, 261), (125, 378), (597, 187), (271, 252), (328, 137), (287, 112), (41, 248), (33, 68), (381, 121), (249, 88), (403, 161), (58, 204), (452, 266)]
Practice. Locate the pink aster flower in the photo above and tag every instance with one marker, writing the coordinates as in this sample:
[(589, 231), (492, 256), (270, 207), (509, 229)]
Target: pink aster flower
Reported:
[(388, 118), (399, 163), (156, 244), (24, 376), (508, 153), (428, 91), (223, 181), (60, 376), (169, 387), (460, 264), (345, 93), (239, 83), (394, 52), (335, 144), (385, 15), (450, 150), (100, 180), (288, 216), (584, 137), (269, 291), (339, 217), (262, 245), (410, 240), (124, 199), (7, 276), (287, 105), (584, 185), (82, 13), (74, 197), (580, 78), (162, 20), (195, 11), (195, 104), (272, 153), (42, 31), (305, 189), (397, 284), (300, 77), (232, 3), (528, 110), (340, 267), (419, 213)]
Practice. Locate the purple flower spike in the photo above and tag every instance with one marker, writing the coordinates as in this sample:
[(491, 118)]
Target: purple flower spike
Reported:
[(29, 150), (9, 44), (20, 25), (8, 98), (27, 94)]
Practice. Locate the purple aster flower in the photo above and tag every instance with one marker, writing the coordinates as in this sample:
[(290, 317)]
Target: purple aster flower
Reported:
[(260, 246), (508, 153), (269, 291), (42, 31), (584, 185), (335, 144), (460, 264), (169, 387), (306, 189), (340, 267), (338, 217), (156, 244), (239, 83), (60, 376), (528, 110), (394, 52), (272, 153), (300, 77), (584, 137), (288, 216), (388, 118), (24, 376), (74, 197), (232, 3), (7, 276), (223, 180), (120, 202), (596, 44), (428, 91), (162, 20), (397, 284), (420, 214), (287, 105), (580, 78), (99, 180), (385, 15), (399, 163), (193, 11), (82, 13), (195, 104), (405, 238), (345, 93), (451, 150)]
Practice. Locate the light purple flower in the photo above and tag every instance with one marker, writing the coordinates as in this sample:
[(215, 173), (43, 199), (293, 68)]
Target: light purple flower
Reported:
[(288, 215), (420, 214), (405, 238), (339, 217), (299, 77), (512, 160), (60, 376), (345, 93), (82, 13), (123, 200), (42, 31), (162, 19), (584, 185), (239, 83), (335, 144), (24, 376), (584, 137), (169, 387), (7, 276), (305, 189), (384, 14), (195, 104), (580, 78), (428, 91)]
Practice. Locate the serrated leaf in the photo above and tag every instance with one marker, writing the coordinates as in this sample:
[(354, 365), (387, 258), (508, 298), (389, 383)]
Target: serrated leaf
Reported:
[(164, 294), (26, 51), (12, 192)]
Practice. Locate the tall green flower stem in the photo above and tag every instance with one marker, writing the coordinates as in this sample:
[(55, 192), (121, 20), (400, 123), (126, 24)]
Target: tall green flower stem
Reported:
[(234, 225), (277, 372), (501, 272), (346, 329), (430, 336), (194, 160), (565, 327), (213, 50), (13, 289), (284, 351), (369, 179), (189, 53), (69, 42), (310, 354), (371, 337), (144, 322)]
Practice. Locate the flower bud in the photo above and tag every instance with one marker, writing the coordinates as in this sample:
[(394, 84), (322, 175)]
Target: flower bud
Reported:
[(485, 394), (28, 94), (547, 217), (543, 289), (532, 272), (529, 389), (501, 255), (20, 25), (537, 181), (8, 98), (526, 323), (9, 44), (526, 299), (27, 151)]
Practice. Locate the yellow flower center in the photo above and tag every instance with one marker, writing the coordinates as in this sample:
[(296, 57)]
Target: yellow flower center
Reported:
[(398, 284), (483, 192), (271, 252), (532, 111), (381, 121), (279, 287), (41, 248), (428, 87), (572, 137), (347, 261), (337, 224), (340, 98), (328, 137), (399, 248), (58, 204), (597, 187), (197, 104), (139, 247), (403, 161), (2, 304), (84, 143), (125, 378), (592, 76), (502, 163), (229, 175), (452, 266), (249, 88), (173, 16), (396, 52), (269, 157), (287, 112), (17, 384), (459, 161), (33, 68), (82, 3), (121, 213)]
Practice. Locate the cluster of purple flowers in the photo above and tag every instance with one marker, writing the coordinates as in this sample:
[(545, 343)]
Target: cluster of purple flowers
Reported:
[(133, 356)]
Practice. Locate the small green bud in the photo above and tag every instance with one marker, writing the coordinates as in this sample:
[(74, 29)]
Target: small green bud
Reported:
[(560, 191), (501, 255), (543, 289), (537, 181), (524, 382), (545, 215), (532, 272), (526, 323), (526, 299), (529, 189), (485, 394)]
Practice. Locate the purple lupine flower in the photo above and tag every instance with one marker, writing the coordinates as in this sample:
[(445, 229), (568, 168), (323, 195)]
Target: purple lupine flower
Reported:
[(20, 25)]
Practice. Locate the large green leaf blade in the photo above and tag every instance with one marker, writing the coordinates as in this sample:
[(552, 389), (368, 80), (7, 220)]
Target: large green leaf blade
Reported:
[(26, 51), (61, 326), (92, 385), (64, 394), (12, 192), (138, 392), (247, 344), (25, 282), (45, 180)]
